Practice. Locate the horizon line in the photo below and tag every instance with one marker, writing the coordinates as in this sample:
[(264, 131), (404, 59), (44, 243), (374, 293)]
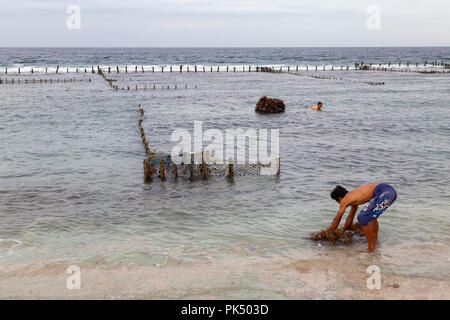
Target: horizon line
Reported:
[(207, 47)]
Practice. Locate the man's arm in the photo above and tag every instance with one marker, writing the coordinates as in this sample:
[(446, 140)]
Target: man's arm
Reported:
[(338, 217), (351, 216)]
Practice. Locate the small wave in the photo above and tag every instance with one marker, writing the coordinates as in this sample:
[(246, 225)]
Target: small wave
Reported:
[(11, 243)]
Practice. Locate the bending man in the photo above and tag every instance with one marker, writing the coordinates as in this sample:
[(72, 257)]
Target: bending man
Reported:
[(379, 196)]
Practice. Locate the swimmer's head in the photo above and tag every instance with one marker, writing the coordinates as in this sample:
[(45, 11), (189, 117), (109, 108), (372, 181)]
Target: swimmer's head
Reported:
[(319, 104), (338, 193)]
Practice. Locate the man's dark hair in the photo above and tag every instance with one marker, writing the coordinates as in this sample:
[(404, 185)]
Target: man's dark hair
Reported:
[(319, 103), (338, 192)]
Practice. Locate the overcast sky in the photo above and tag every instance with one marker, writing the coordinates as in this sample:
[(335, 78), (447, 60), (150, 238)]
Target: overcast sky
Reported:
[(224, 23)]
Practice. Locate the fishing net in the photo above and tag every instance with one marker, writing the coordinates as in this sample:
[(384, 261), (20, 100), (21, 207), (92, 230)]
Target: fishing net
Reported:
[(206, 166)]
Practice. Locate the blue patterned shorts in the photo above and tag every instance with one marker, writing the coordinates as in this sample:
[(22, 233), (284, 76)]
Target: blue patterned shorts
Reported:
[(383, 196)]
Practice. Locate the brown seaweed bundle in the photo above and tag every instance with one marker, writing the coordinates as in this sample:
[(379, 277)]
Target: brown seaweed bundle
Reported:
[(270, 105), (356, 228), (337, 235)]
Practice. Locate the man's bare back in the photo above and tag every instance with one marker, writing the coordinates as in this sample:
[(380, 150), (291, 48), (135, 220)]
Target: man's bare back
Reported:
[(360, 195)]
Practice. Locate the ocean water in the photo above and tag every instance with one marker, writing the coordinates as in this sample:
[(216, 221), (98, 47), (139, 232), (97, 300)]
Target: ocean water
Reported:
[(71, 178)]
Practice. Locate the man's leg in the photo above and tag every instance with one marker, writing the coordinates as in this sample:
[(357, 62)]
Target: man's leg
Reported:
[(369, 237), (365, 220), (374, 228)]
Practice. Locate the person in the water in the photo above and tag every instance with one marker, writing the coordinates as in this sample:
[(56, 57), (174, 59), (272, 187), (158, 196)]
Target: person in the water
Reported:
[(318, 107), (379, 196)]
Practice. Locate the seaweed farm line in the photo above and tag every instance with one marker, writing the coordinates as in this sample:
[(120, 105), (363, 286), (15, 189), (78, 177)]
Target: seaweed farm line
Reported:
[(40, 80), (160, 165), (401, 67)]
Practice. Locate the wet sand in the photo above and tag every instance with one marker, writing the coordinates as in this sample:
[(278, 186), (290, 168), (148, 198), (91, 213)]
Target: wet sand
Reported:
[(280, 277)]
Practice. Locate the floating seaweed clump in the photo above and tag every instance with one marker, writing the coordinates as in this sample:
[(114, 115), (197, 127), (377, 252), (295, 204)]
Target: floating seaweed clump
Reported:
[(270, 105), (337, 235)]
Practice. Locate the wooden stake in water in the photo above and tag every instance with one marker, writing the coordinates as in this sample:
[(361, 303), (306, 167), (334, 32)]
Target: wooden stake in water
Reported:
[(147, 171), (191, 171), (229, 173), (175, 171), (162, 172), (204, 168)]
